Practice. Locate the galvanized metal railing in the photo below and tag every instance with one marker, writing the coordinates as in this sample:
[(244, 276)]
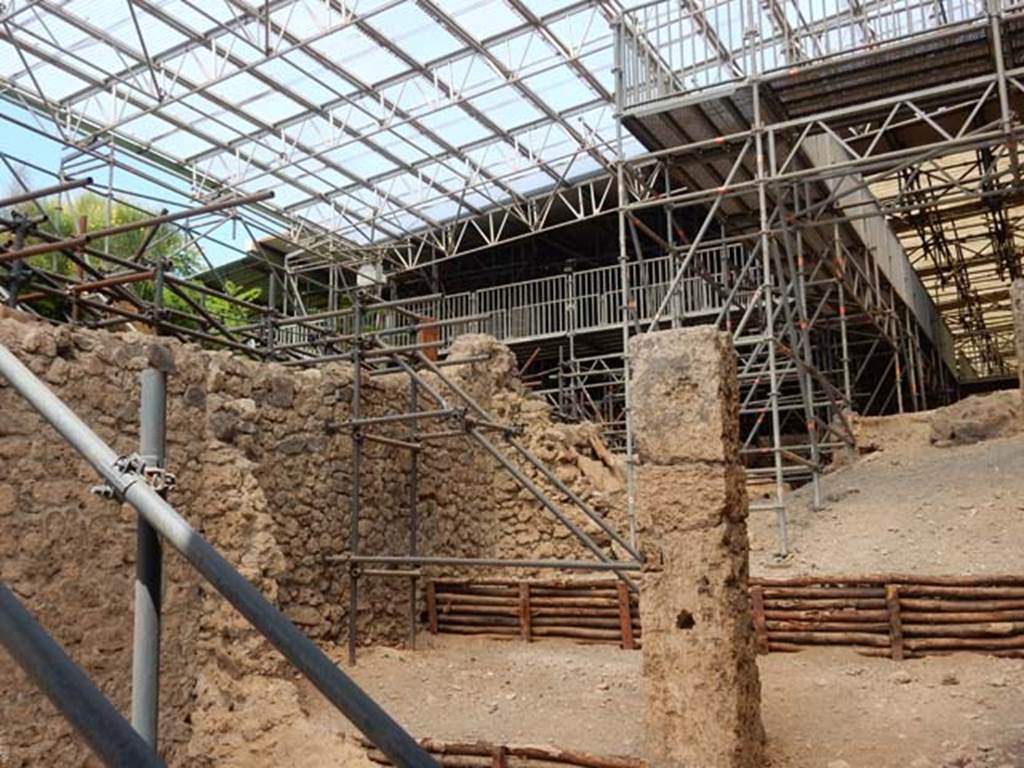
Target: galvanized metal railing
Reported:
[(586, 301), (573, 302), (549, 307), (671, 47)]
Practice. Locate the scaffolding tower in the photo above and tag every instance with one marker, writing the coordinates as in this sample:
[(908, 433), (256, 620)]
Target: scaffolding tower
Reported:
[(800, 141)]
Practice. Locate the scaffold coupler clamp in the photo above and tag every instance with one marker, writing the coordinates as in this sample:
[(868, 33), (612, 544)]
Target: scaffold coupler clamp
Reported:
[(159, 479), (129, 470), (458, 415)]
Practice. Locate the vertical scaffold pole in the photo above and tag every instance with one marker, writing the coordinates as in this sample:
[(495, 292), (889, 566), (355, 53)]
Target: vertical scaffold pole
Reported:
[(70, 690), (414, 517), (149, 565), (769, 321), (620, 178), (357, 460)]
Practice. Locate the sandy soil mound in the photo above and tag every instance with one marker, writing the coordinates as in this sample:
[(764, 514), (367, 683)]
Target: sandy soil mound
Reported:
[(982, 417), (919, 501), (971, 420)]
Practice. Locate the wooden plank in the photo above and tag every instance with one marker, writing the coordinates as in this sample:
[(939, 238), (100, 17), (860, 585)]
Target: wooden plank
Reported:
[(815, 604), (431, 607), (966, 617), (760, 627), (892, 601), (826, 593), (959, 606), (965, 592), (890, 578), (926, 615), (625, 619), (829, 638), (850, 615), (524, 611), (881, 627)]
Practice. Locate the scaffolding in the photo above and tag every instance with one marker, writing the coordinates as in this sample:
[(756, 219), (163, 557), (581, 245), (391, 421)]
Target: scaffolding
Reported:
[(835, 185), (792, 140), (387, 338)]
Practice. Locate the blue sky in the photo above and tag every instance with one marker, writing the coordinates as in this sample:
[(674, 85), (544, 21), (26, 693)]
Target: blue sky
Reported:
[(25, 148)]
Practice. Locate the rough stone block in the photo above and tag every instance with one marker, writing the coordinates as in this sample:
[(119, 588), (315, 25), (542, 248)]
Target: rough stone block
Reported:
[(727, 700), (682, 497), (683, 395), (703, 698)]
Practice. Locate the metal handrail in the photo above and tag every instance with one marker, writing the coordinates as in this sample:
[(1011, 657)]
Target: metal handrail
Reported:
[(127, 482), (671, 48), (548, 307)]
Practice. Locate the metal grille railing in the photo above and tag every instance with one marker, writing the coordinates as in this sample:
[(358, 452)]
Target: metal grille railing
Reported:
[(669, 47), (574, 302), (548, 307)]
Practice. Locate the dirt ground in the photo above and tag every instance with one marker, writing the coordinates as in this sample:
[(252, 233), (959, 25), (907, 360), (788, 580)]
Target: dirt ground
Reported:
[(908, 507), (917, 501), (822, 708), (914, 502)]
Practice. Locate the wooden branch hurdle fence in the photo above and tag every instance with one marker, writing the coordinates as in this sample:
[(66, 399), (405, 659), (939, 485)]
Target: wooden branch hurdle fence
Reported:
[(586, 610), (898, 616), (481, 754)]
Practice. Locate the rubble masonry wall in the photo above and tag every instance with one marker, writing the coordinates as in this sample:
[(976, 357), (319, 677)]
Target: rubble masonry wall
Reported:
[(263, 467)]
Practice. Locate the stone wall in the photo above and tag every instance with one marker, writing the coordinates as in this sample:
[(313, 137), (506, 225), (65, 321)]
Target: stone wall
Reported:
[(520, 526), (263, 471), (263, 466)]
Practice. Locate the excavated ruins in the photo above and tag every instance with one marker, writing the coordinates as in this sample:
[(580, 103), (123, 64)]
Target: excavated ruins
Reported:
[(511, 384), (262, 457)]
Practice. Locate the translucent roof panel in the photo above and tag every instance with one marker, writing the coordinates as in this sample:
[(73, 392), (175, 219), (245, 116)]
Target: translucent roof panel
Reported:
[(370, 119)]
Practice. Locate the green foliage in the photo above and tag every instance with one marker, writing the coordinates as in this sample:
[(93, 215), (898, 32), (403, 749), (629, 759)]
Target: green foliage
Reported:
[(169, 245), (169, 242), (229, 313)]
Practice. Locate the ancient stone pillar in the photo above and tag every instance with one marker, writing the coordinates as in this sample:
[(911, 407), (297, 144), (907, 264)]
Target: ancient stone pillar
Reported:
[(703, 702), (1017, 301)]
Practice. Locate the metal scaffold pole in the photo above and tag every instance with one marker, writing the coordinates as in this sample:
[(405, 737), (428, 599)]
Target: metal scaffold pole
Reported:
[(127, 481), (625, 292), (769, 321), (149, 565), (414, 514), (357, 462), (70, 690)]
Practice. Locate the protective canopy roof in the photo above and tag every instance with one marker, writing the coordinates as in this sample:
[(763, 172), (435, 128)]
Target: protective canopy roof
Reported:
[(370, 119)]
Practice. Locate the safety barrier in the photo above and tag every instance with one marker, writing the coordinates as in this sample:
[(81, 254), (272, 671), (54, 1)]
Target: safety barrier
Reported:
[(898, 616), (594, 610), (667, 48), (585, 301)]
